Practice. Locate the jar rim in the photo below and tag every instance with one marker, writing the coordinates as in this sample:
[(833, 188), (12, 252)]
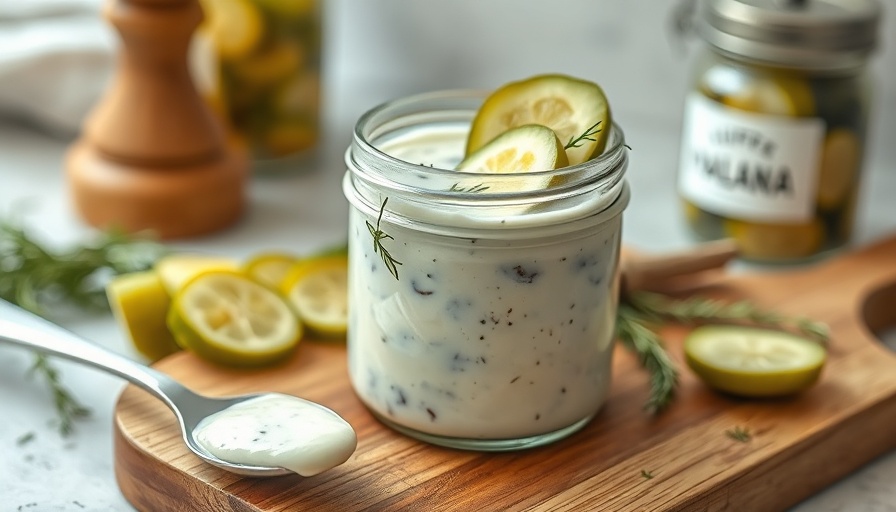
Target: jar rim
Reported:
[(362, 147), (448, 198)]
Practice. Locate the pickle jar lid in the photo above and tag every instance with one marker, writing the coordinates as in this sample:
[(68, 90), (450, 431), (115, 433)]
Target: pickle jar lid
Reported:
[(794, 33)]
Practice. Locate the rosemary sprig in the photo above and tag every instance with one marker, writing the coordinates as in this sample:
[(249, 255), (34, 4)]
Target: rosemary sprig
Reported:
[(36, 279), (698, 309), (67, 407), (640, 311), (587, 135), (633, 331), (378, 236), (739, 434)]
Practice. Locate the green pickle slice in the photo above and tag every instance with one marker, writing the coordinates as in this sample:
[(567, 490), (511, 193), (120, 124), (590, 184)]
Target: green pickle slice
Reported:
[(753, 362), (771, 242)]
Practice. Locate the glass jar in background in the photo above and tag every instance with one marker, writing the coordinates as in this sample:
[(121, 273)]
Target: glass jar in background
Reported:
[(257, 62), (482, 306), (775, 126)]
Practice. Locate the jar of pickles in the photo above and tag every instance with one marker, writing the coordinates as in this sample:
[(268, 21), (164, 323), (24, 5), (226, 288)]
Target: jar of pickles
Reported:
[(257, 62), (775, 126)]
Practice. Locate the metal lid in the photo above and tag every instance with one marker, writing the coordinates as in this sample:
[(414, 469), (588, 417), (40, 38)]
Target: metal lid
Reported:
[(794, 33)]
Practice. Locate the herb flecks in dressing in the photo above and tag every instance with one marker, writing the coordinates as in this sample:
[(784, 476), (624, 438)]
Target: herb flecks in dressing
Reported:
[(280, 431)]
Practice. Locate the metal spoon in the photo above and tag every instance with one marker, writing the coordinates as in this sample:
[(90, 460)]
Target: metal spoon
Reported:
[(28, 330)]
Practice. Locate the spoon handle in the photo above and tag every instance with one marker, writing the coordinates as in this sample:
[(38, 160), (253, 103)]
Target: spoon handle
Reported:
[(26, 329)]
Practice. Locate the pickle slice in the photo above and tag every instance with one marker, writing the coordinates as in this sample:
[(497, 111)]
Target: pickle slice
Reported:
[(753, 362), (227, 318), (571, 107), (838, 174), (770, 242), (772, 94), (525, 149)]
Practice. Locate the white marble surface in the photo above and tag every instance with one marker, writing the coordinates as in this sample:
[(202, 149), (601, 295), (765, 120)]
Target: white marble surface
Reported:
[(378, 50)]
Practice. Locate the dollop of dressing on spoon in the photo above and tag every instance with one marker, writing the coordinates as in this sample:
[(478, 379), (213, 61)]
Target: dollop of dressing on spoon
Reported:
[(281, 431)]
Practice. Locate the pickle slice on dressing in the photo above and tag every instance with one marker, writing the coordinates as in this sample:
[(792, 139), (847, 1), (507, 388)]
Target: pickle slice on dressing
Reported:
[(577, 110), (226, 317), (753, 362), (526, 149)]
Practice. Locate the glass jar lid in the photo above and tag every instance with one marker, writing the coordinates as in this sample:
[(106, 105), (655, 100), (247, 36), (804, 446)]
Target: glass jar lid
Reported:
[(806, 34)]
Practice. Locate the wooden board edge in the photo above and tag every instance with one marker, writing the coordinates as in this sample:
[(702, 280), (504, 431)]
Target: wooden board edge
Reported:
[(858, 440), (150, 485)]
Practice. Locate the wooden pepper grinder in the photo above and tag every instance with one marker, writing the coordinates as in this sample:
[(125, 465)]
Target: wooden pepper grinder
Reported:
[(152, 156)]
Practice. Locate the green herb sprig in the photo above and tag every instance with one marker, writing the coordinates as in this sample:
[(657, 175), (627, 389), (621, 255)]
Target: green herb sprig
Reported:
[(739, 434), (696, 310), (378, 236), (68, 408), (588, 134), (641, 312), (637, 336), (36, 278), (479, 187)]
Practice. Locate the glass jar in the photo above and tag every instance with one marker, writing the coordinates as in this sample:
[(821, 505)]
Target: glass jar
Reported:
[(257, 63), (481, 306), (775, 127)]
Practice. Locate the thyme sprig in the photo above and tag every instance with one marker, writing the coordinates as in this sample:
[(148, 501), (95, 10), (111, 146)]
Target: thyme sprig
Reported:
[(641, 312), (68, 408), (634, 332), (378, 236), (697, 309), (739, 434), (588, 134), (36, 279)]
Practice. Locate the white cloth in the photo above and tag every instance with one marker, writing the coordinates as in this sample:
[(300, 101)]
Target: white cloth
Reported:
[(56, 58)]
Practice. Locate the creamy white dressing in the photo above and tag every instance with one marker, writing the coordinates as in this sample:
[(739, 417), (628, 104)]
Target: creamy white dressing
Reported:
[(281, 431), (497, 337)]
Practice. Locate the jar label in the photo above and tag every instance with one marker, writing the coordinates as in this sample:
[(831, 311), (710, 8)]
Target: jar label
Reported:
[(749, 166)]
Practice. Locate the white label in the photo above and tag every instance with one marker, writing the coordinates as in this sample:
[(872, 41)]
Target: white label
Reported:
[(753, 167)]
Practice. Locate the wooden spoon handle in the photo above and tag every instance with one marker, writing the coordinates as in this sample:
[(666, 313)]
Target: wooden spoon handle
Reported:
[(651, 272)]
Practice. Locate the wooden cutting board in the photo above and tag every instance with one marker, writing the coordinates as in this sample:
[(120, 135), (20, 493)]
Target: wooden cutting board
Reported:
[(624, 460)]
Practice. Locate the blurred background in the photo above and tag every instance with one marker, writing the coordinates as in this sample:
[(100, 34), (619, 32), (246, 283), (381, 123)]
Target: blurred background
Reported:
[(58, 56)]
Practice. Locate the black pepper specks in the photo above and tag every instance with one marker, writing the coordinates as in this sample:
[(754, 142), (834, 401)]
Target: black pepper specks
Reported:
[(521, 274), (432, 414), (400, 398)]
